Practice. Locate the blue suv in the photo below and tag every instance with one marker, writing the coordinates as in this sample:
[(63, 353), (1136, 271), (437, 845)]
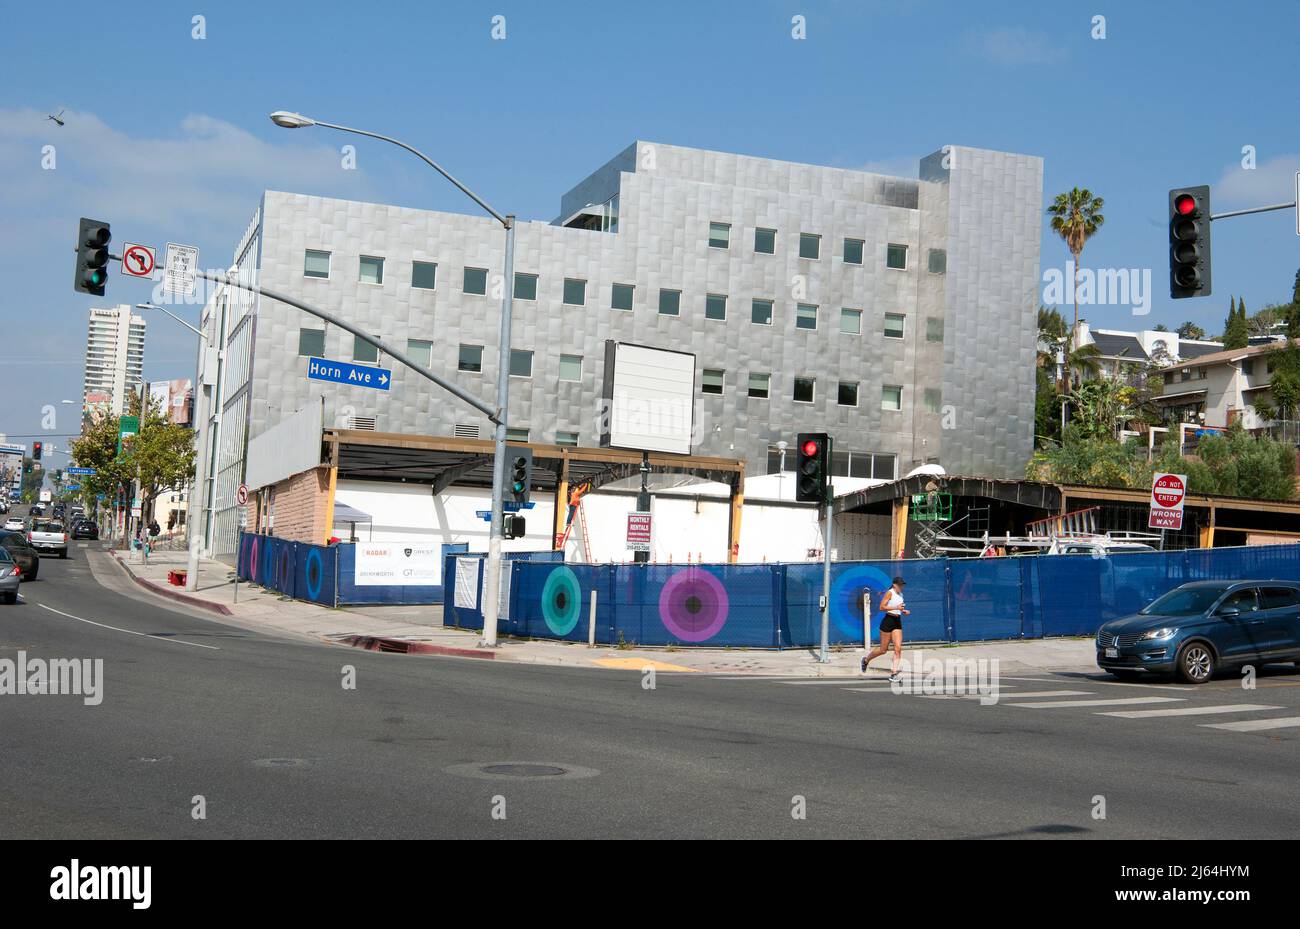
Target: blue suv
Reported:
[(1199, 628)]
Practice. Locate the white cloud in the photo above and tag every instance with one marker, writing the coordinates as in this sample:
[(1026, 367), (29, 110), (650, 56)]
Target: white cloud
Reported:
[(1272, 181), (1014, 45)]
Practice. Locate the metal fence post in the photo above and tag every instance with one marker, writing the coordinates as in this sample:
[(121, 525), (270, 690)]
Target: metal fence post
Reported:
[(336, 576), (866, 619), (591, 622)]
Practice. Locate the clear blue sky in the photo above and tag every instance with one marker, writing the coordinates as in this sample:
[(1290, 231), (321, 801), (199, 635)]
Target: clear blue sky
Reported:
[(171, 142)]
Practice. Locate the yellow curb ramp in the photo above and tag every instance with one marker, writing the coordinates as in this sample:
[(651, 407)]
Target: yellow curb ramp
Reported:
[(640, 664)]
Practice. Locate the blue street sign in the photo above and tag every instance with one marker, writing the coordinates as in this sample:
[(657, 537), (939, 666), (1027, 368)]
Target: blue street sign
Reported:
[(507, 506), (73, 487), (345, 372), (84, 471)]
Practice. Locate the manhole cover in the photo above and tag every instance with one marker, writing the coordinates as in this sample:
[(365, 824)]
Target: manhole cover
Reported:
[(520, 770)]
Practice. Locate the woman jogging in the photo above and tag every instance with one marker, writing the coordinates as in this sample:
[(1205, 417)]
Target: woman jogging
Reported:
[(891, 629)]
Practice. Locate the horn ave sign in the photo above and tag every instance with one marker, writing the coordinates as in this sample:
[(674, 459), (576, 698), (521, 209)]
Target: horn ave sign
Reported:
[(1168, 491)]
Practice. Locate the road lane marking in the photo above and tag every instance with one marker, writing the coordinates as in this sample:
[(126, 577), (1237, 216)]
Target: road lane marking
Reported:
[(1192, 711), (1077, 703), (1038, 693), (147, 635), (1254, 725), (833, 680)]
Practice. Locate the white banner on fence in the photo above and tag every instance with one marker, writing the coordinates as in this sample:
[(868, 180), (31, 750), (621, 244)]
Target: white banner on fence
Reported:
[(467, 583), (398, 563)]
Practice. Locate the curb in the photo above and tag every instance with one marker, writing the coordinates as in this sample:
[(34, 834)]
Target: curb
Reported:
[(403, 646), (171, 594)]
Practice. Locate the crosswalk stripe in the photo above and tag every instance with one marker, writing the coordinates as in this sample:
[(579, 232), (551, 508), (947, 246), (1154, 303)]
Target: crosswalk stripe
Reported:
[(841, 681), (1036, 693), (1047, 705), (1254, 725), (1192, 711)]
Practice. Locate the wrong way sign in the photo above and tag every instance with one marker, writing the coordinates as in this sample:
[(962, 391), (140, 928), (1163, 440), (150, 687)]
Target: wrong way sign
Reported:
[(1168, 493), (138, 260)]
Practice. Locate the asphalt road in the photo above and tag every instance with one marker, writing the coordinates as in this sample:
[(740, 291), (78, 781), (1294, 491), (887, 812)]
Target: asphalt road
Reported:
[(262, 729)]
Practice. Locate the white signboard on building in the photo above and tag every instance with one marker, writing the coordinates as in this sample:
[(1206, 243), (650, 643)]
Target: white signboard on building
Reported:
[(649, 399), (398, 563)]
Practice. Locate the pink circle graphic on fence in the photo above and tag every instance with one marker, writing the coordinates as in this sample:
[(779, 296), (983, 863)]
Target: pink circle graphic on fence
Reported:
[(693, 605)]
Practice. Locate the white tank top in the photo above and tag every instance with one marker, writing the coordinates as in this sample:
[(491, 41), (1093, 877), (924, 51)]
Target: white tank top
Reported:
[(894, 602)]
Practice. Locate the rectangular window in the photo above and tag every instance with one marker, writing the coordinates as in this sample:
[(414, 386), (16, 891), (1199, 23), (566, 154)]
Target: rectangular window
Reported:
[(311, 342), (851, 321), (804, 389), (810, 246), (765, 241), (525, 286), (316, 264), (759, 385), (371, 270), (715, 306), (891, 397), (570, 367), (938, 261), (932, 399), (712, 381), (620, 297), (761, 312), (719, 235), (516, 435), (575, 292), (475, 281), (1247, 367), (848, 393), (569, 439), (882, 467), (521, 363), (806, 317), (896, 257), (894, 325), (670, 302), (1169, 377), (363, 351), (420, 351), (934, 329), (424, 274), (471, 358), (853, 251)]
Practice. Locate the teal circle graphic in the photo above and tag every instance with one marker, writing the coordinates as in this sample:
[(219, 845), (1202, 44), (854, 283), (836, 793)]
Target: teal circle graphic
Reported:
[(846, 597), (561, 601)]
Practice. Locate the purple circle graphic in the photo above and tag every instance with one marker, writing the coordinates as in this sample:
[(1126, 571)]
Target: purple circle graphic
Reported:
[(693, 605)]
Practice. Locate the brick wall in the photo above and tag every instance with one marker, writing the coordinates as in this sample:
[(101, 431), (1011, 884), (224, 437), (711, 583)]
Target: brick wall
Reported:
[(300, 507)]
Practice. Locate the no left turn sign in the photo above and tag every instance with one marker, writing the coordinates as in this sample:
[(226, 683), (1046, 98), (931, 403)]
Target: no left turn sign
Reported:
[(138, 260), (241, 495)]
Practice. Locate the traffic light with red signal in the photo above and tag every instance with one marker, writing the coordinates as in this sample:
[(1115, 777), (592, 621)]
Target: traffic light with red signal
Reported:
[(93, 237), (37, 449), (813, 469), (1189, 242)]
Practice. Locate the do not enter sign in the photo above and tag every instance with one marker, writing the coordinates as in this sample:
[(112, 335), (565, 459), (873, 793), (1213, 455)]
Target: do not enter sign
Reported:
[(1168, 492)]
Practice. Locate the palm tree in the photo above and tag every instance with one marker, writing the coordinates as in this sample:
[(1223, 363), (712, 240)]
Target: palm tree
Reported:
[(1076, 217)]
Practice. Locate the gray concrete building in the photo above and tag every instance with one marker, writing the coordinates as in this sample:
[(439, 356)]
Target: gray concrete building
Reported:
[(898, 314)]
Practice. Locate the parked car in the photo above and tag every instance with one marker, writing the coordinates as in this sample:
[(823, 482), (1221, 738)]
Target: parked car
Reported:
[(48, 535), (27, 558), (10, 577), (1200, 628), (85, 529), (15, 524)]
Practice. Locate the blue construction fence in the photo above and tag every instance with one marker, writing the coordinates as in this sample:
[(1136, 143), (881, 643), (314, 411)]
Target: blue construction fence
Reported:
[(776, 605), (323, 574)]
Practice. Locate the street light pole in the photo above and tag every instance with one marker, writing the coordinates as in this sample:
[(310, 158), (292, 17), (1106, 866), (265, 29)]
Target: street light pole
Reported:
[(192, 561), (492, 578)]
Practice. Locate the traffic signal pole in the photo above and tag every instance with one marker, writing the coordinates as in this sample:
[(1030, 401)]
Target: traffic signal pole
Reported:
[(828, 508)]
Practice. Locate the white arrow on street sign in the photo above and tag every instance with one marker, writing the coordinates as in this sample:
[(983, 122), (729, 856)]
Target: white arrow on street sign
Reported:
[(138, 260), (241, 495), (178, 274)]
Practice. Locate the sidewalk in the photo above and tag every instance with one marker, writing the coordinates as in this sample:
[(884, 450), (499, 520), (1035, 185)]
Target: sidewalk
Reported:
[(419, 630)]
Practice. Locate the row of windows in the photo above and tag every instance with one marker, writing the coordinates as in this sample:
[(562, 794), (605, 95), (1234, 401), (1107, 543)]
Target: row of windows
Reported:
[(311, 342), (810, 247), (843, 464), (762, 311)]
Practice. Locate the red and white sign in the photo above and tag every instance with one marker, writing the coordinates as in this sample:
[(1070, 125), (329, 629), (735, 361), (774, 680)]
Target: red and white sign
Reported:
[(1168, 492), (639, 528), (138, 260), (241, 495)]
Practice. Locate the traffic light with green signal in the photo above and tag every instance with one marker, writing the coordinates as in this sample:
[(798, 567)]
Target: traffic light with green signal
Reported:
[(93, 237), (520, 472)]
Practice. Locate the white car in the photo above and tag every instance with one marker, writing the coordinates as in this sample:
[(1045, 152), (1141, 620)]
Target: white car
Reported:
[(15, 524)]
